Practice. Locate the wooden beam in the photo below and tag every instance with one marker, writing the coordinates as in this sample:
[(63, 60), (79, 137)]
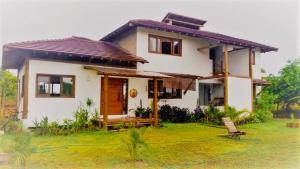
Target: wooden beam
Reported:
[(105, 101), (225, 50), (155, 101), (25, 92), (250, 64), (206, 47)]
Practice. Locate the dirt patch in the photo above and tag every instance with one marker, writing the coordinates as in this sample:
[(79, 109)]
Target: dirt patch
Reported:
[(293, 124), (10, 108)]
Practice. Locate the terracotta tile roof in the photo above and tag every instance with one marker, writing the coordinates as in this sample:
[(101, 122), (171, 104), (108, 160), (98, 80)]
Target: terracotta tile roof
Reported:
[(78, 46), (184, 19), (224, 39)]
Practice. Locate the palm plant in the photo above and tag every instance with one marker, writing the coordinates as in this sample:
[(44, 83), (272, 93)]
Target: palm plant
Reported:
[(134, 142)]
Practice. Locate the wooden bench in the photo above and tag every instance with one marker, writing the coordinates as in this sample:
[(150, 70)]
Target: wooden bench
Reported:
[(232, 130), (129, 121)]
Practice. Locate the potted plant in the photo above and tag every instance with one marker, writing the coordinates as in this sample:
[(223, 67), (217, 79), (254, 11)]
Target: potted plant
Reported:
[(139, 111)]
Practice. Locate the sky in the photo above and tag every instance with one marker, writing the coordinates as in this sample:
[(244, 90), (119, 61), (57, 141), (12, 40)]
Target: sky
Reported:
[(272, 22)]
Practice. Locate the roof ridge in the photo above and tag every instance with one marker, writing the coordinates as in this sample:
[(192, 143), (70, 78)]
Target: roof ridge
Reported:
[(36, 41)]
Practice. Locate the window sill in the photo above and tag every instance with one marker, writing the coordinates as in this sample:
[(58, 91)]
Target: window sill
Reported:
[(164, 54)]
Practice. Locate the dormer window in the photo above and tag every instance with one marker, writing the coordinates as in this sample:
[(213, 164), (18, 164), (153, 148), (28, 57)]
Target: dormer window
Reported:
[(164, 45), (183, 21)]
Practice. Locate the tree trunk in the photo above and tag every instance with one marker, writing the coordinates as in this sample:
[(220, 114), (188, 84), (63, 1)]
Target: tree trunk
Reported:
[(2, 102), (2, 95)]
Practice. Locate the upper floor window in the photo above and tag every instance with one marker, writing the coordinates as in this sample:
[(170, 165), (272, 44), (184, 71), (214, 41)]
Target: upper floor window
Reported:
[(55, 86), (163, 93), (164, 45)]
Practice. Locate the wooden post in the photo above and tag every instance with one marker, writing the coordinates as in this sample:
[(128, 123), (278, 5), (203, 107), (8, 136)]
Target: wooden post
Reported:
[(105, 101), (25, 92), (253, 95), (250, 64), (225, 50), (155, 111)]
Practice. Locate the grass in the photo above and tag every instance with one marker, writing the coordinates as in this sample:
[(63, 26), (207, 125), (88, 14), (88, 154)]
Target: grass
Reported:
[(266, 145)]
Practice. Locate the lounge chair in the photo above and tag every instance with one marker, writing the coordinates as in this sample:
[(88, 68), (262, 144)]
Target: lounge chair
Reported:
[(232, 131)]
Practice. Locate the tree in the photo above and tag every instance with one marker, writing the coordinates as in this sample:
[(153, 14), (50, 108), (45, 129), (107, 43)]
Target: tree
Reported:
[(286, 86), (8, 86)]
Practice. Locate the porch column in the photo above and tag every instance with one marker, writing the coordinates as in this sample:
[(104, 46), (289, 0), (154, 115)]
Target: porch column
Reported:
[(105, 101), (26, 86), (253, 91), (225, 50), (155, 111)]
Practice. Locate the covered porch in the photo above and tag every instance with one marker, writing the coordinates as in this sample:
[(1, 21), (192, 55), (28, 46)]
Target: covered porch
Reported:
[(109, 75)]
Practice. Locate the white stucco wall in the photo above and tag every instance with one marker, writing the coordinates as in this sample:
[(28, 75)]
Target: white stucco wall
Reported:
[(257, 67), (128, 41), (238, 62), (239, 93), (191, 62), (87, 84)]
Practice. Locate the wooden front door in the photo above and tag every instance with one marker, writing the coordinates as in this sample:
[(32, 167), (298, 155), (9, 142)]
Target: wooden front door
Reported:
[(117, 96)]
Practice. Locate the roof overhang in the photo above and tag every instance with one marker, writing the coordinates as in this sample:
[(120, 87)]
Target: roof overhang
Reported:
[(123, 72)]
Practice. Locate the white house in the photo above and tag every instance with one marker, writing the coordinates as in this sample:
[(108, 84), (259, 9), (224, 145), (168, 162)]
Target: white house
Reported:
[(187, 66)]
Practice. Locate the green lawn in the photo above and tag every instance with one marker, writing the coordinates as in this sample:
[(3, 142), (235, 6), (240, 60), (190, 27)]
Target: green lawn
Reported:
[(267, 145)]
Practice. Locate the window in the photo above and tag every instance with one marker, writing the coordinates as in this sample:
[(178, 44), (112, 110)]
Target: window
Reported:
[(253, 58), (177, 47), (164, 45), (152, 44), (55, 86), (163, 93)]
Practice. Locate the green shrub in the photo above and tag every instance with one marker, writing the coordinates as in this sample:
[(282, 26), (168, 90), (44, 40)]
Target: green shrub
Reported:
[(263, 115), (174, 114), (180, 115), (89, 102), (143, 112), (95, 118), (41, 127), (54, 128), (231, 112), (198, 115), (13, 127), (67, 126), (165, 113), (214, 115), (263, 106), (81, 119)]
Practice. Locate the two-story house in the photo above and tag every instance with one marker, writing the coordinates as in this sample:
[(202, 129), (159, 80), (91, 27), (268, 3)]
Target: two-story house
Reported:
[(143, 62)]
